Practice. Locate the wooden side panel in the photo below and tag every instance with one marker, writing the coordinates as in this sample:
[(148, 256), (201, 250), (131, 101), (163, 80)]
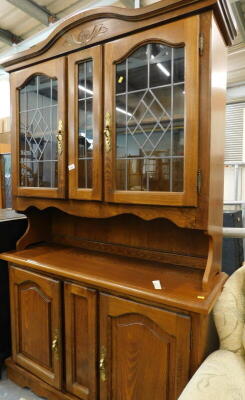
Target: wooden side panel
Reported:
[(204, 339), (80, 339), (36, 324), (218, 76), (38, 229), (144, 351)]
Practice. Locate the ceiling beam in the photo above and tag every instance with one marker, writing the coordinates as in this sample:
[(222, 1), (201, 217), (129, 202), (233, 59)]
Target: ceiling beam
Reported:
[(8, 37), (42, 14)]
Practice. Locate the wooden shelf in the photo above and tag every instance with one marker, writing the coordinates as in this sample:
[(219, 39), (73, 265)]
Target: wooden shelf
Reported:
[(181, 286)]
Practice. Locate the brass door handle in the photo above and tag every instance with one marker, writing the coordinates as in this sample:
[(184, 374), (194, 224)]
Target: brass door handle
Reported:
[(55, 346), (102, 364), (107, 132), (59, 137)]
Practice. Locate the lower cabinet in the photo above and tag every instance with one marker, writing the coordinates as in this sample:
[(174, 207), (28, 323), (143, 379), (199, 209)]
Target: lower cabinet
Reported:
[(144, 351), (36, 324), (114, 349), (81, 341)]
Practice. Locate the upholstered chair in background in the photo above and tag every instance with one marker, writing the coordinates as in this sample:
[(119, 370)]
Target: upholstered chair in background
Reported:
[(222, 375)]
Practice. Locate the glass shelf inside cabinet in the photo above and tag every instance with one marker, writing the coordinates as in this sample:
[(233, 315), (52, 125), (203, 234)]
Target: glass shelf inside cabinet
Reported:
[(150, 100), (38, 123)]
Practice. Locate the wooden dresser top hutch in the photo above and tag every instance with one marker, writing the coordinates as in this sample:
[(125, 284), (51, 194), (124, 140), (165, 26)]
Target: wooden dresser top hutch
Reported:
[(117, 149)]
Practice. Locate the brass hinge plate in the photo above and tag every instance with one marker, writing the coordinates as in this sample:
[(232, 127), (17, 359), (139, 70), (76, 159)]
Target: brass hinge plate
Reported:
[(199, 181), (201, 44)]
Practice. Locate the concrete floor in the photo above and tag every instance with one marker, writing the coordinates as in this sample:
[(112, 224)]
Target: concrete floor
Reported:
[(10, 391)]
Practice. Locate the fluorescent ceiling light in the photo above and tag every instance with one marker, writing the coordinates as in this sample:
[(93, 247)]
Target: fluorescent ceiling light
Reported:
[(117, 108), (85, 89), (163, 69), (123, 111)]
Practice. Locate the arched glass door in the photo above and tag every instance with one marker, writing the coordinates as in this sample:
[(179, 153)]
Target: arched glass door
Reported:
[(152, 101), (40, 124)]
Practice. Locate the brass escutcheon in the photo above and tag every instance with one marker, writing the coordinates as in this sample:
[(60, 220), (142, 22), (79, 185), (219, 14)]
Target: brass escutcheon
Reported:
[(107, 132), (59, 137), (102, 364)]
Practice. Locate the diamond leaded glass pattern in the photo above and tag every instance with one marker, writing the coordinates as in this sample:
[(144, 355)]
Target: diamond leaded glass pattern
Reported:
[(150, 119), (148, 103), (38, 130)]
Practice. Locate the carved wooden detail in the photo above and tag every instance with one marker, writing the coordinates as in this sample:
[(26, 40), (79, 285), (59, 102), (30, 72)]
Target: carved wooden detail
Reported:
[(85, 36)]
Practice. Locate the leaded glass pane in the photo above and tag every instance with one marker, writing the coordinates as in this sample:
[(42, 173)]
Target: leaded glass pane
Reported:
[(31, 94), (121, 78), (38, 129), (177, 180), (152, 174), (160, 64), (179, 64), (150, 97), (121, 125), (85, 124), (137, 70)]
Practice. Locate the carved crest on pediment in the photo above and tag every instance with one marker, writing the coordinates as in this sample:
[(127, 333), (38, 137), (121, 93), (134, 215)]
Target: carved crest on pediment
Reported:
[(86, 36)]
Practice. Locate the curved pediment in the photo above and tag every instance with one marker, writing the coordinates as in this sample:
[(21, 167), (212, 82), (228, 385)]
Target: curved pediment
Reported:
[(102, 24)]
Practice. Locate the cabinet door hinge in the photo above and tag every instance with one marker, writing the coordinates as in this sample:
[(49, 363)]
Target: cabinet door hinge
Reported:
[(199, 181), (201, 44)]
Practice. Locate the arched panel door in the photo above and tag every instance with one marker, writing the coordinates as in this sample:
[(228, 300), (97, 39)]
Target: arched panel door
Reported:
[(36, 324), (144, 351), (151, 116), (39, 130)]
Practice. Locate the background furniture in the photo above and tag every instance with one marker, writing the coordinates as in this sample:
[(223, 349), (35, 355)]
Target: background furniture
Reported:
[(232, 253), (222, 374), (5, 181), (121, 261), (12, 227)]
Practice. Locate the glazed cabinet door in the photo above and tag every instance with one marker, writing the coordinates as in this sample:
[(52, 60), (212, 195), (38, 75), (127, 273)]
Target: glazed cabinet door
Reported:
[(144, 351), (39, 130), (151, 115), (80, 341), (36, 324), (85, 124)]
